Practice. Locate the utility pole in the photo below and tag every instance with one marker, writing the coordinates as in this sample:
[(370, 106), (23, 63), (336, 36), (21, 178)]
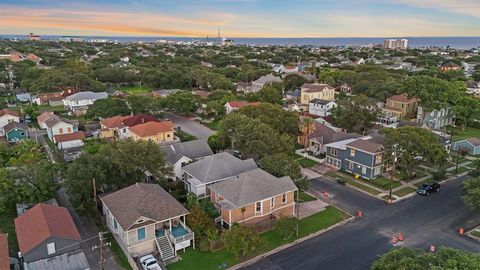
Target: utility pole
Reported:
[(102, 243), (298, 210)]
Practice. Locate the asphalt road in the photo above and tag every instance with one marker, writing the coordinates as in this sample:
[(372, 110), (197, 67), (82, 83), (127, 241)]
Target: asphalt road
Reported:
[(423, 221), (191, 127)]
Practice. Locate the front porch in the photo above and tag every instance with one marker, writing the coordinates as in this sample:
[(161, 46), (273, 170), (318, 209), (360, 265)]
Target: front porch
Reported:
[(171, 236)]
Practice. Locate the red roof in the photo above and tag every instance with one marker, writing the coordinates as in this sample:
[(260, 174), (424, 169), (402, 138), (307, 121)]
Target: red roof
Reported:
[(10, 112), (79, 135), (152, 128), (139, 119), (42, 222), (239, 104), (113, 122), (4, 256), (44, 116)]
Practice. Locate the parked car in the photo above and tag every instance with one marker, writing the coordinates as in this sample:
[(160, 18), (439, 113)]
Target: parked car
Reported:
[(149, 262), (427, 188)]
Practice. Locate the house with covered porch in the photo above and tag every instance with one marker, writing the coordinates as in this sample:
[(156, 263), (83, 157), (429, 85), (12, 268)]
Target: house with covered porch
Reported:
[(144, 218)]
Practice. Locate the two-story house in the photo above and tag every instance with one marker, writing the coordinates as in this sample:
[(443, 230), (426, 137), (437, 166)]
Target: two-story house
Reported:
[(363, 157), (180, 154), (159, 132), (78, 103), (321, 107), (401, 106), (211, 169), (253, 196), (118, 127), (144, 218), (58, 126), (8, 116), (436, 119), (311, 91)]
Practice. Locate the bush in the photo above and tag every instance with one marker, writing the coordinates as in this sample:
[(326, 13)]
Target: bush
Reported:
[(286, 226), (439, 174), (241, 241)]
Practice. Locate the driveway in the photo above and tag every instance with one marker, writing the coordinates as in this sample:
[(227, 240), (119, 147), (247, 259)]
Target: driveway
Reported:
[(191, 127), (423, 220)]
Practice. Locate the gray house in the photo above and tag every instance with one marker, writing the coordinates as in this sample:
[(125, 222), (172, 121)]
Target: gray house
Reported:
[(258, 84), (435, 119), (179, 154), (212, 169), (363, 156), (46, 231), (471, 146)]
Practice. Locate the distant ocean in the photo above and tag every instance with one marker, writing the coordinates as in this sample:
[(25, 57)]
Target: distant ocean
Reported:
[(413, 42)]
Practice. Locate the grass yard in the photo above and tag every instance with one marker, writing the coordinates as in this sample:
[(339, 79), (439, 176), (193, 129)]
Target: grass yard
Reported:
[(304, 162), (212, 125), (304, 197), (222, 259), (469, 132), (404, 191), (7, 227), (476, 233), (118, 253), (184, 136), (460, 170), (135, 90), (382, 183), (351, 181)]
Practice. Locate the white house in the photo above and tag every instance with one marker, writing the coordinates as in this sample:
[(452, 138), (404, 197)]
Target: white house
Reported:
[(58, 126), (78, 103), (8, 116), (235, 105), (71, 140), (321, 107)]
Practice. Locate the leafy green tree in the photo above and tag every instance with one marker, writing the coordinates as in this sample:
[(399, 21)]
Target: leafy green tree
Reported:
[(293, 81), (355, 114), (268, 94), (241, 241), (109, 107), (275, 116), (433, 93), (200, 222), (471, 193), (181, 102), (286, 226), (413, 259), (281, 164), (466, 109), (413, 146), (141, 104)]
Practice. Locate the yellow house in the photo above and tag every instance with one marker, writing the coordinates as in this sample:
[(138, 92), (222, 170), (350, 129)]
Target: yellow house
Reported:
[(310, 91), (401, 106), (109, 127), (158, 132)]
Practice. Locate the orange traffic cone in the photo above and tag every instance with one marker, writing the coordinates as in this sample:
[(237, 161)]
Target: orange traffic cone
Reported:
[(432, 249), (400, 236), (461, 230), (394, 240), (360, 214)]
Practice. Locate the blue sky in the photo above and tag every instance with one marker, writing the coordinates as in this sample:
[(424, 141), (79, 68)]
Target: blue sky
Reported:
[(243, 18)]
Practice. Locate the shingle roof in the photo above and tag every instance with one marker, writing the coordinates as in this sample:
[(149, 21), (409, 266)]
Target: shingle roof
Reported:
[(474, 141), (44, 116), (10, 112), (79, 135), (13, 125), (269, 78), (113, 122), (252, 186), (239, 104), (139, 119), (402, 98), (87, 95), (315, 87), (320, 101), (366, 145), (218, 166), (4, 255), (42, 222), (55, 119), (152, 128), (142, 200), (193, 150)]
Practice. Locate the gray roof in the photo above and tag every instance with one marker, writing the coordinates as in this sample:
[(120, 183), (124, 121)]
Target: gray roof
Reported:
[(87, 95), (142, 200), (55, 119), (13, 125), (320, 101), (218, 166), (192, 149), (267, 79), (75, 260), (250, 187)]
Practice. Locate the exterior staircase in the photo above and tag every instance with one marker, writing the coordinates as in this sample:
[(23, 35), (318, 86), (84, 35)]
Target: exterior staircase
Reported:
[(165, 248)]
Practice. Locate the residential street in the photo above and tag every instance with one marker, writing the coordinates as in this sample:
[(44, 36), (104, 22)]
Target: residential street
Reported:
[(423, 220), (191, 127)]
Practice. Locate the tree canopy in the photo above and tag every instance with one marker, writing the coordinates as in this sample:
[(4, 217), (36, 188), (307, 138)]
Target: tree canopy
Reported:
[(355, 114)]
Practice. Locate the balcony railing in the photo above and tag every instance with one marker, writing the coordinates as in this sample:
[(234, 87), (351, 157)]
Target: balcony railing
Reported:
[(188, 236)]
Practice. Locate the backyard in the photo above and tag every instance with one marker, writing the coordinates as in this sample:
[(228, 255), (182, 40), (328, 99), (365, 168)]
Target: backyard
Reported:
[(304, 162), (469, 132), (135, 90), (222, 259), (7, 227)]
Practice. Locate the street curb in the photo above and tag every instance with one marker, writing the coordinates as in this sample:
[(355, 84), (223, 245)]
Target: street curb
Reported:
[(280, 248), (355, 188), (468, 234)]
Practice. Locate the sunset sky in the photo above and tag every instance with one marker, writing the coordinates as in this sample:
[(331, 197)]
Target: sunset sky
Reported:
[(242, 18)]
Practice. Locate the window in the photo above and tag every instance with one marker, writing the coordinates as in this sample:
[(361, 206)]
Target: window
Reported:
[(272, 202), (364, 170), (60, 130), (258, 207), (50, 248), (168, 135), (115, 225), (334, 152), (140, 233), (22, 133), (377, 171), (284, 198), (378, 159), (350, 165), (69, 129), (352, 152)]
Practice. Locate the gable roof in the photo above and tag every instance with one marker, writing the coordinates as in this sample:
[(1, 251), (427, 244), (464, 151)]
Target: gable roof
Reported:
[(142, 200), (192, 149), (79, 135), (403, 98), (269, 78), (12, 125), (55, 119), (44, 116), (87, 95), (368, 146), (218, 166), (138, 119), (315, 87), (4, 255), (42, 222), (152, 128), (474, 141), (113, 122), (239, 104), (252, 186), (9, 112)]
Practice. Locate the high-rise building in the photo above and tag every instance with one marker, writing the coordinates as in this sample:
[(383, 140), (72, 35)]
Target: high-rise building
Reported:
[(395, 44)]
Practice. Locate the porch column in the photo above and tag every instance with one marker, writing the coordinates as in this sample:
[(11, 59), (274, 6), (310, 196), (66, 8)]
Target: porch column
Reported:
[(170, 224)]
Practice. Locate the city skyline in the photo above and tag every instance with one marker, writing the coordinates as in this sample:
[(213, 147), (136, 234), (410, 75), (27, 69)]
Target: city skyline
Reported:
[(243, 18)]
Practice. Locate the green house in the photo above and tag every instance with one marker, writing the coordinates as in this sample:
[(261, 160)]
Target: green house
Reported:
[(15, 132)]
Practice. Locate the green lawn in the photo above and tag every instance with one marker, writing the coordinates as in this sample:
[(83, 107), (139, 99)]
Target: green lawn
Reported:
[(460, 170), (304, 197), (7, 226), (222, 259), (351, 181), (304, 162), (212, 125), (184, 136), (469, 132), (382, 183), (476, 233), (404, 191), (118, 253), (135, 90)]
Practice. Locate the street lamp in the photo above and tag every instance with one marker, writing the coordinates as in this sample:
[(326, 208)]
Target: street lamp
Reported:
[(394, 154)]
